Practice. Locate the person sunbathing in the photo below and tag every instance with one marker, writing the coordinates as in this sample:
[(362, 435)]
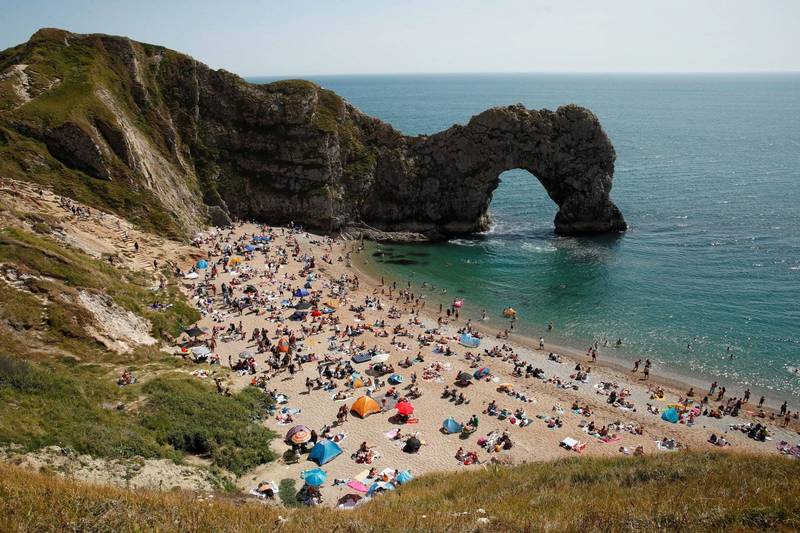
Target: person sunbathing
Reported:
[(460, 455)]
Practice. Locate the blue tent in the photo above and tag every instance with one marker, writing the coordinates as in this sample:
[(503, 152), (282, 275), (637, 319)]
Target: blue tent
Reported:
[(451, 426), (202, 264), (469, 341), (314, 477), (301, 292), (404, 477), (395, 379), (481, 373), (249, 247), (324, 451), (671, 415)]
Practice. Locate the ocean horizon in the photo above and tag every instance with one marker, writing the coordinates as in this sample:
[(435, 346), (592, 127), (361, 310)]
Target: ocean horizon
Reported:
[(706, 282)]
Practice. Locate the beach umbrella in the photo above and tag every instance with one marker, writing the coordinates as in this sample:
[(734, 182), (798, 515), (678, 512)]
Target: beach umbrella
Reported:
[(283, 345), (314, 477), (404, 477), (481, 372), (247, 354), (395, 379), (235, 261), (324, 451), (301, 292), (316, 312), (380, 358), (464, 377), (303, 305), (298, 434), (451, 426), (404, 408), (201, 264), (348, 501), (413, 445)]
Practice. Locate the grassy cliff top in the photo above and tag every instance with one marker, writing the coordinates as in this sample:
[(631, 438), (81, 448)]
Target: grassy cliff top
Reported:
[(675, 492)]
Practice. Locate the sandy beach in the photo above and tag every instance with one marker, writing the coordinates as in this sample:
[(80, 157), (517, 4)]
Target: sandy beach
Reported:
[(553, 396)]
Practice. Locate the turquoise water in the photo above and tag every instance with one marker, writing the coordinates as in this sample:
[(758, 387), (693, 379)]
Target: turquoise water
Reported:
[(708, 178)]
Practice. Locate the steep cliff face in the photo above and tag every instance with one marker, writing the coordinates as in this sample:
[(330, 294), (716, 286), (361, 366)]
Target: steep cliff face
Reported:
[(167, 141)]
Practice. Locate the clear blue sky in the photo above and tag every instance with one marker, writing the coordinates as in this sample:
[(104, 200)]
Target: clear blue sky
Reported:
[(252, 37)]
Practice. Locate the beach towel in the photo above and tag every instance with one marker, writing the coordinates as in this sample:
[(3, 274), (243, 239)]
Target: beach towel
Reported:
[(610, 439), (357, 485)]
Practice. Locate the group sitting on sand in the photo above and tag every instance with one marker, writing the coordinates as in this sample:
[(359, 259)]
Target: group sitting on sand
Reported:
[(290, 317)]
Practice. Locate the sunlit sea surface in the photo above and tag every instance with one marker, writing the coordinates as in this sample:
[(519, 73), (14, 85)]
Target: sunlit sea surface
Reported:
[(708, 178)]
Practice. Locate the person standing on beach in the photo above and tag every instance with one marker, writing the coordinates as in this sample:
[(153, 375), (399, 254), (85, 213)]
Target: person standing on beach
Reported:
[(636, 366), (761, 402), (783, 408), (713, 388), (746, 396), (646, 372), (541, 343)]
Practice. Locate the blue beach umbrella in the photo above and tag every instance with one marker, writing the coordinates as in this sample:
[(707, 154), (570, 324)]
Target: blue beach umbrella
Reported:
[(314, 477), (202, 264)]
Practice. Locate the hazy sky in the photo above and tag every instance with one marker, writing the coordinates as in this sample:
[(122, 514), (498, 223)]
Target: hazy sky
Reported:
[(260, 37)]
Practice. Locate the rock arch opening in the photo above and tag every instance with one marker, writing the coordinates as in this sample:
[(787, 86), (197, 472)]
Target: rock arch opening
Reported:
[(447, 180)]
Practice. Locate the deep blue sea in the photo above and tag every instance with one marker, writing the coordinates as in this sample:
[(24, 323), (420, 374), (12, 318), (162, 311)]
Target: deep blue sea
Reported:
[(708, 178)]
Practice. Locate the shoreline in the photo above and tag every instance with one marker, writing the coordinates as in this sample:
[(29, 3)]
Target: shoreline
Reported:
[(544, 401), (670, 379)]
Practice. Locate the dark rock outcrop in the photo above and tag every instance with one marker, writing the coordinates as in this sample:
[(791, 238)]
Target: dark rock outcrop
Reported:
[(206, 141)]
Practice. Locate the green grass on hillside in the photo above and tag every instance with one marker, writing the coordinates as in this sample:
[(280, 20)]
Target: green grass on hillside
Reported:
[(57, 383), (184, 415), (670, 492)]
